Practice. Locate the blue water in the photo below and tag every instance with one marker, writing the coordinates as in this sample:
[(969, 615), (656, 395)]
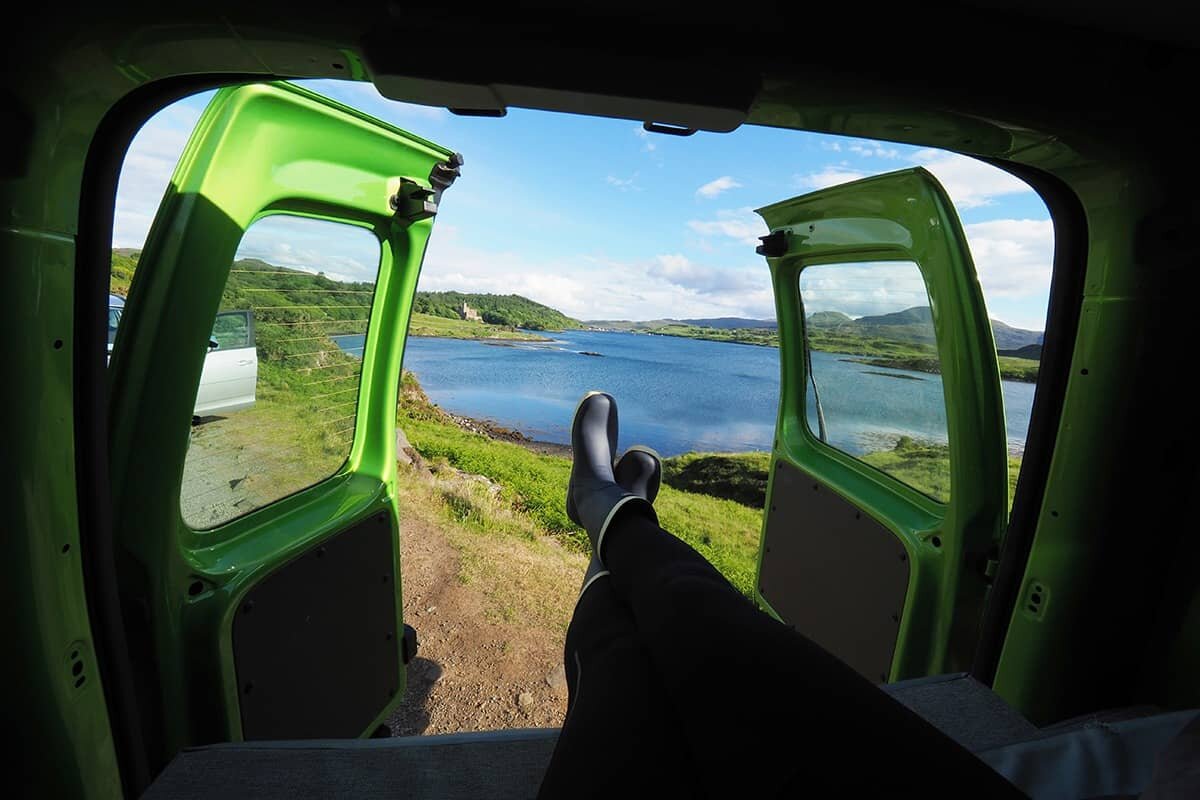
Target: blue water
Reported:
[(678, 395)]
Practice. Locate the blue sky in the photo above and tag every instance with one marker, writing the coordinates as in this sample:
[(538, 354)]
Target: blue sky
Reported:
[(602, 220)]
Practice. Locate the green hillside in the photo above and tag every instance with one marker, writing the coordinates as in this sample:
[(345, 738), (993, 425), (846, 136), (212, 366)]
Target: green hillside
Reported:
[(829, 319), (497, 309), (124, 262)]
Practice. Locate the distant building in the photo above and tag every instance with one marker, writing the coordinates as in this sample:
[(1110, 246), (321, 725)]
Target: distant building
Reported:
[(466, 312)]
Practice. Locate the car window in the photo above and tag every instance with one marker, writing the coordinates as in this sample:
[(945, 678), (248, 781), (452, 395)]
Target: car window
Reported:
[(114, 321), (232, 330), (277, 399)]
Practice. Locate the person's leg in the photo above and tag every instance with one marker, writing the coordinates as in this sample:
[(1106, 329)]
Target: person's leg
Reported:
[(765, 710), (620, 737)]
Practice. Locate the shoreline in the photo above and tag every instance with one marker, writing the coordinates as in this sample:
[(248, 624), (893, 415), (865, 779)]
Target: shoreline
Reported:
[(500, 433)]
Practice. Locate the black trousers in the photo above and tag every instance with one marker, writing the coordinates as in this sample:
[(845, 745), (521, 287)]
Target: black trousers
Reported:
[(680, 687)]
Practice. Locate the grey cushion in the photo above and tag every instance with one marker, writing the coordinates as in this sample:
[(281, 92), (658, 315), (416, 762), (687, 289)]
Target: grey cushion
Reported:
[(1098, 760), (498, 764), (963, 709)]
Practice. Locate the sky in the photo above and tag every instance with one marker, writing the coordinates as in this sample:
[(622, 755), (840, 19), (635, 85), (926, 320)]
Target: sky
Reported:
[(602, 220)]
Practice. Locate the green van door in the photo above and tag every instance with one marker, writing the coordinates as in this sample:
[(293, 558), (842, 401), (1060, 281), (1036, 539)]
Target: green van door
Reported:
[(887, 498), (280, 619)]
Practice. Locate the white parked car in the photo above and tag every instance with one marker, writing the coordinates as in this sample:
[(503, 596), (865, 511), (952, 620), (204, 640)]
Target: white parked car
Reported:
[(230, 367)]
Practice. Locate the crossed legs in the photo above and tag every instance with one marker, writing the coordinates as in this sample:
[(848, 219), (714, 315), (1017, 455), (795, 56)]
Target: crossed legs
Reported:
[(680, 687)]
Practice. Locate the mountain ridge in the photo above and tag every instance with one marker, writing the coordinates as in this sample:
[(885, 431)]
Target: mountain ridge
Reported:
[(910, 324)]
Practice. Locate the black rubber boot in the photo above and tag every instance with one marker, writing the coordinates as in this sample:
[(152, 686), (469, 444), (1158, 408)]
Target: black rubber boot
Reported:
[(593, 495), (639, 470)]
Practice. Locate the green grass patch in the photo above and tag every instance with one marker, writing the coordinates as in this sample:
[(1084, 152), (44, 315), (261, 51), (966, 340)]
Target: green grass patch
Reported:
[(1019, 369), (926, 467), (741, 477)]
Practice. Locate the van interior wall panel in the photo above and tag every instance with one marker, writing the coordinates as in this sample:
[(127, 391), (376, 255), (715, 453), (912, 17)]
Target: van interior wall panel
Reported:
[(818, 549), (315, 642)]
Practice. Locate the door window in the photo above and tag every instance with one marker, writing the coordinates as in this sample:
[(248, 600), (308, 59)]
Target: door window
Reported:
[(277, 398), (232, 330), (875, 389)]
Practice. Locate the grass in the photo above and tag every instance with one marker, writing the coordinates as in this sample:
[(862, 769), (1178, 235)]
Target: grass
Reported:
[(429, 325), (1019, 369), (524, 575), (741, 477), (926, 467)]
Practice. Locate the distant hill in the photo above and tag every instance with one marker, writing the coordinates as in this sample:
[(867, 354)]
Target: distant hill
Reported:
[(829, 319), (910, 325), (719, 323), (917, 315), (1010, 338), (497, 309), (916, 325), (730, 322), (1030, 351)]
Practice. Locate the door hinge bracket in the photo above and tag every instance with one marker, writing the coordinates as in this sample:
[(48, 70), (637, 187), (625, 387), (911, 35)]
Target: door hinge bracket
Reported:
[(773, 245), (443, 175), (412, 202)]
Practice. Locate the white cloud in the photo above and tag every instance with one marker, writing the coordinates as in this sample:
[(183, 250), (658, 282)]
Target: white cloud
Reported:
[(873, 150), (862, 289), (668, 285), (624, 184), (147, 169), (741, 224), (1013, 257), (969, 182), (716, 187), (342, 252), (830, 176), (830, 145)]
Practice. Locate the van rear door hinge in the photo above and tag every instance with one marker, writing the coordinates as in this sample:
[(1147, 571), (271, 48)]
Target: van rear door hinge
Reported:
[(413, 202), (773, 245)]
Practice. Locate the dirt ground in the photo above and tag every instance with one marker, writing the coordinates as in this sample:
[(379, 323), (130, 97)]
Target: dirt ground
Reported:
[(485, 661)]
